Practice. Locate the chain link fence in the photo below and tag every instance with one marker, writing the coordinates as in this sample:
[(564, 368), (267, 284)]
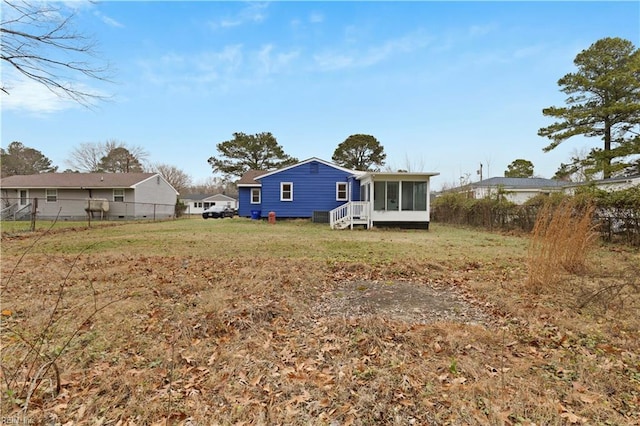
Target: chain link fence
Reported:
[(29, 211)]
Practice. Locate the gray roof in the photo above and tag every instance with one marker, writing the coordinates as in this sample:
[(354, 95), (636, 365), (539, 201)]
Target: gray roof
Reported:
[(199, 197), (618, 179), (75, 180), (194, 197), (519, 183)]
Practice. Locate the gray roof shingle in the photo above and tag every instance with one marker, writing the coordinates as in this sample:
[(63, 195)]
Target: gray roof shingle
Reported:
[(75, 180), (519, 183)]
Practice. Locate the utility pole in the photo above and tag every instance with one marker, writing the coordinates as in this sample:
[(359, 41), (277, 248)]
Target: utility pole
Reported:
[(479, 171)]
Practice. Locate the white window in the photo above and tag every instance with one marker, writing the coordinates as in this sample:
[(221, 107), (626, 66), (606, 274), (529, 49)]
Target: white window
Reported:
[(286, 191), (51, 195), (341, 191), (118, 195), (24, 197), (255, 195)]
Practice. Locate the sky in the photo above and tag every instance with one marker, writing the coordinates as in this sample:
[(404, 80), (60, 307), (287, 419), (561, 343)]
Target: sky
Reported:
[(443, 86)]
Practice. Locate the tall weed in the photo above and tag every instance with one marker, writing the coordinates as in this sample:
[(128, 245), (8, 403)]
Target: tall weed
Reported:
[(561, 239)]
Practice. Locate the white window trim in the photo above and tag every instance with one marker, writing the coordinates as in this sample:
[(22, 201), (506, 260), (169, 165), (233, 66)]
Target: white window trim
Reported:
[(259, 196), (46, 195), (282, 184), (114, 195), (346, 191)]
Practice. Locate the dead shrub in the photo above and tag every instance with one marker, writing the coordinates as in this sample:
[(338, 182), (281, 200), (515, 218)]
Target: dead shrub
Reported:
[(561, 239), (619, 293)]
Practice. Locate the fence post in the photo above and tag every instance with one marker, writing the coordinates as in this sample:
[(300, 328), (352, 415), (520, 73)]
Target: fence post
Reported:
[(34, 209)]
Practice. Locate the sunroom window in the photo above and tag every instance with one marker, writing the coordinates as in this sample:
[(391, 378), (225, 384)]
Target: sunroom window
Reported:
[(385, 195), (414, 196)]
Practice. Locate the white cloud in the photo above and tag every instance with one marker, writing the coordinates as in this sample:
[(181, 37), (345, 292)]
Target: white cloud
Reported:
[(332, 60), (527, 51), (109, 21), (273, 63), (316, 18), (217, 69), (481, 30), (28, 95), (196, 73), (253, 13)]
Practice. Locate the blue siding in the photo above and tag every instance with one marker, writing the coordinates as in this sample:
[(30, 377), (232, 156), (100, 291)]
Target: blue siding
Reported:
[(245, 206), (314, 188), (355, 189)]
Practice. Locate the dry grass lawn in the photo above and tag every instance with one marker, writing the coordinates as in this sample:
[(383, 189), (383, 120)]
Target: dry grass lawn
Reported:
[(195, 322)]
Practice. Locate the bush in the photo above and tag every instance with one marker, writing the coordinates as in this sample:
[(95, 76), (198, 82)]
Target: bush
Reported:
[(459, 209), (616, 213)]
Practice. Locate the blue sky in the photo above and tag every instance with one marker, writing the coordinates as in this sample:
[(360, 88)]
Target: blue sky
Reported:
[(444, 86)]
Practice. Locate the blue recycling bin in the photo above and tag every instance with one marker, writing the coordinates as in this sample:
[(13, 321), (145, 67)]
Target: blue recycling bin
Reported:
[(255, 214)]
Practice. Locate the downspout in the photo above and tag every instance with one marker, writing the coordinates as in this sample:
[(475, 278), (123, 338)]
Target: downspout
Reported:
[(428, 200), (370, 207)]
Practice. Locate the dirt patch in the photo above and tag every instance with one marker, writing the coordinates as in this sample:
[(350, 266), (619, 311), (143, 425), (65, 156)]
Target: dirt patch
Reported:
[(402, 301)]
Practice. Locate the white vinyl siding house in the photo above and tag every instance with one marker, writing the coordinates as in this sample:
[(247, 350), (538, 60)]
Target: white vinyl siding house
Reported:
[(198, 203), (73, 195)]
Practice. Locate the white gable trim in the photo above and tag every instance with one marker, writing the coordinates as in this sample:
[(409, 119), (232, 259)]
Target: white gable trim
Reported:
[(155, 176), (312, 159)]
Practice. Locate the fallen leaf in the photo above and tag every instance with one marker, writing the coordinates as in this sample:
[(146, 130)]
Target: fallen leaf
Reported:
[(299, 399), (459, 380), (571, 418), (588, 399), (579, 387), (254, 382)]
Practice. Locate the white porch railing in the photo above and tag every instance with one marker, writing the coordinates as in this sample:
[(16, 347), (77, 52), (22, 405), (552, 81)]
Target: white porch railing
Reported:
[(349, 214)]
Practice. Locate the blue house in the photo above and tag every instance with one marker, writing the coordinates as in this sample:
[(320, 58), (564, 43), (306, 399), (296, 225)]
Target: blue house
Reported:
[(315, 188)]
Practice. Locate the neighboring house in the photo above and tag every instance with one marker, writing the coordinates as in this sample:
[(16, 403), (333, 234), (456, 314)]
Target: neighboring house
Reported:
[(610, 184), (516, 190), (323, 191), (198, 203), (519, 190), (73, 195)]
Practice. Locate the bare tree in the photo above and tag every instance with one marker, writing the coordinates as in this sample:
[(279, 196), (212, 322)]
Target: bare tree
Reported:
[(409, 165), (89, 156), (38, 40), (86, 157), (180, 180), (214, 185)]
